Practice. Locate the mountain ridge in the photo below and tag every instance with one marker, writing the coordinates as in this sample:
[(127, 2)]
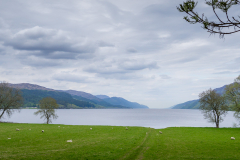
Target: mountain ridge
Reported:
[(87, 98)]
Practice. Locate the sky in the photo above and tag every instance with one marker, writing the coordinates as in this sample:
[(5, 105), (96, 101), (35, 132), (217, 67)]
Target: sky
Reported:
[(140, 50)]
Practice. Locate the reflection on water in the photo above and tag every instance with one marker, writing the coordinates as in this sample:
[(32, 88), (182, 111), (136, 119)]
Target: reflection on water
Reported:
[(155, 118)]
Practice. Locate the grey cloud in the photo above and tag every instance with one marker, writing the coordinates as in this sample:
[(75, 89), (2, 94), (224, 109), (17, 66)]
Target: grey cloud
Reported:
[(104, 69), (231, 65), (226, 72), (165, 76), (115, 12), (40, 63), (7, 73), (49, 43), (105, 44), (120, 66), (120, 76), (132, 50), (156, 9), (41, 80), (186, 60), (67, 77), (3, 24), (2, 50), (135, 65), (120, 69)]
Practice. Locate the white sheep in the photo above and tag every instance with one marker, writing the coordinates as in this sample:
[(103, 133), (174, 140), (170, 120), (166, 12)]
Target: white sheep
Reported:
[(42, 131), (126, 128), (17, 129), (90, 128), (232, 138), (160, 132)]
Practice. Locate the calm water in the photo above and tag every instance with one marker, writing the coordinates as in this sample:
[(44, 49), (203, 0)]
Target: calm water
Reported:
[(155, 118)]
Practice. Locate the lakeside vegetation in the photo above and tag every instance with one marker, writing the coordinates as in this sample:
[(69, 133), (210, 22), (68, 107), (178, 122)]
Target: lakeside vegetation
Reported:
[(115, 142)]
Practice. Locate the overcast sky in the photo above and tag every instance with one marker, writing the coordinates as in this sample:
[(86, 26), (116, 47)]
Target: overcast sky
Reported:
[(141, 50)]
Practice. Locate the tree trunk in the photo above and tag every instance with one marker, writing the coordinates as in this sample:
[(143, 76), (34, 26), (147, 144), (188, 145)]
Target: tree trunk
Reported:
[(217, 122), (47, 118), (2, 113)]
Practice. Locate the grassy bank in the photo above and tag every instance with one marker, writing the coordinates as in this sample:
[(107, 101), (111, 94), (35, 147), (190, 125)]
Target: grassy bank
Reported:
[(107, 142)]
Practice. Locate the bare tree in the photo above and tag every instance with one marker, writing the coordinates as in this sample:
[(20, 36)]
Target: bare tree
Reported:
[(232, 94), (47, 109), (10, 99), (213, 106), (220, 27)]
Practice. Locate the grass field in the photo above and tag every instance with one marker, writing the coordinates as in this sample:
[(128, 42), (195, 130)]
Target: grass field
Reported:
[(107, 142)]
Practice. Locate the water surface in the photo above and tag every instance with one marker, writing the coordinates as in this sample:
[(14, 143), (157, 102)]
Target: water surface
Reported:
[(155, 118)]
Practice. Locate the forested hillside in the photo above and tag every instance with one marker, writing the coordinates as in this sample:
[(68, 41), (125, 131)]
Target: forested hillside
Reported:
[(65, 100)]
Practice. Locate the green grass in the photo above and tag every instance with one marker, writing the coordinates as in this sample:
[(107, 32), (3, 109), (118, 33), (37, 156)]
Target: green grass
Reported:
[(103, 142)]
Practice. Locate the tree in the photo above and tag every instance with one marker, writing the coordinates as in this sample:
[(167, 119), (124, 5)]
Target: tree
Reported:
[(232, 94), (47, 109), (213, 105), (10, 99), (212, 27)]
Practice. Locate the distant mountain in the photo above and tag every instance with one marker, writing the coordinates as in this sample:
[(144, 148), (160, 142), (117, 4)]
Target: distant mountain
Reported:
[(102, 96), (124, 102), (68, 99), (29, 86), (82, 94), (100, 103), (194, 104), (93, 99), (104, 100)]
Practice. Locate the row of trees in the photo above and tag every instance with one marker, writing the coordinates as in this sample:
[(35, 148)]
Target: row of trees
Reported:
[(11, 100), (215, 106)]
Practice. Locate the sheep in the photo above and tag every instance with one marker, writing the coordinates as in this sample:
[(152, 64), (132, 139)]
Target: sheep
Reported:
[(42, 131), (69, 140), (232, 138), (160, 132), (126, 128), (90, 128), (17, 129)]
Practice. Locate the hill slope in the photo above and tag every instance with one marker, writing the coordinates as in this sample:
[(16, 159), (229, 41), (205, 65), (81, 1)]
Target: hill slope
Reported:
[(65, 100), (124, 102), (194, 104)]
